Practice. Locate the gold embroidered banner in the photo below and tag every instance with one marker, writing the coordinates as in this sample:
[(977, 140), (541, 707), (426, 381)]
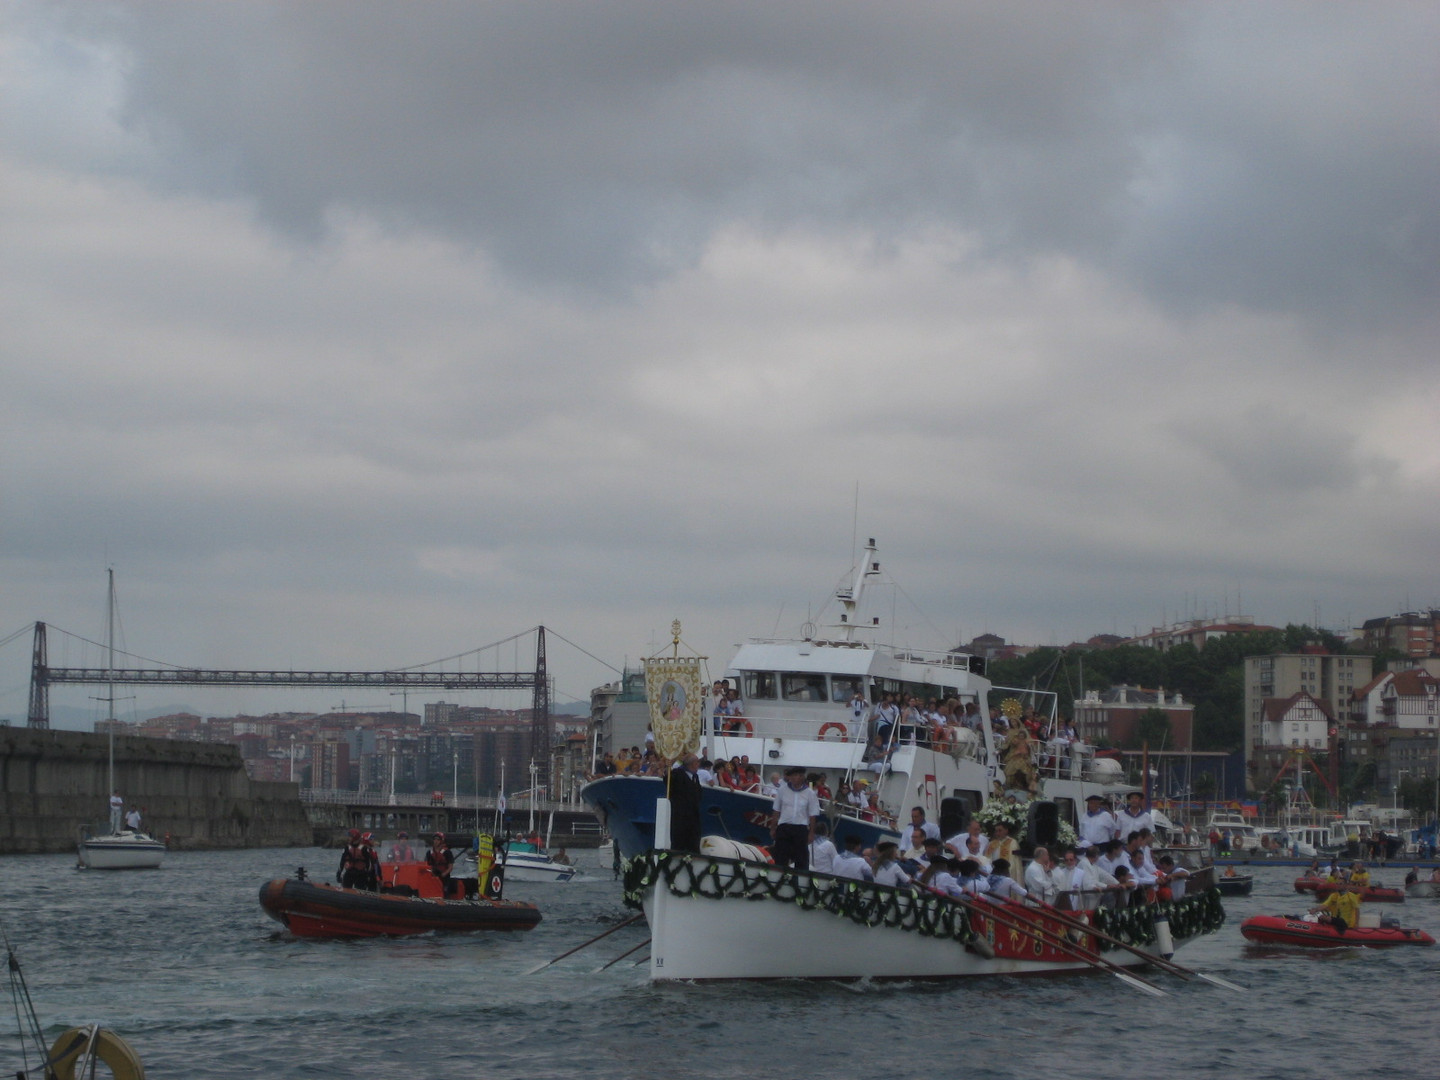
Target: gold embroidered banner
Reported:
[(676, 691)]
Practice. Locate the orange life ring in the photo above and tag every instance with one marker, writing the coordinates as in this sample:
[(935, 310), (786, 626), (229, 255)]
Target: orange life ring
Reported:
[(733, 728), (844, 732)]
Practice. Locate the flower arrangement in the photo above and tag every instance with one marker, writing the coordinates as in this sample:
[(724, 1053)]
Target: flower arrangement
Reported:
[(1013, 815), (997, 811)]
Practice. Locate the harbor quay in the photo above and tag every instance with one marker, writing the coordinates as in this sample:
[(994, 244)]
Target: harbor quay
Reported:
[(191, 795)]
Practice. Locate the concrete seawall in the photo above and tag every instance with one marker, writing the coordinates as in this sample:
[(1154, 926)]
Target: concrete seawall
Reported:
[(53, 782)]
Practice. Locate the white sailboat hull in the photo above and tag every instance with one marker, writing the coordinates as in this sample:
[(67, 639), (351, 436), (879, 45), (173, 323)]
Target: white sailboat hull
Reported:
[(121, 851)]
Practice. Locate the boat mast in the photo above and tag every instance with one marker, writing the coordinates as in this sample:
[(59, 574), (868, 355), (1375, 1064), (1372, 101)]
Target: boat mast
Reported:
[(110, 674), (851, 595)]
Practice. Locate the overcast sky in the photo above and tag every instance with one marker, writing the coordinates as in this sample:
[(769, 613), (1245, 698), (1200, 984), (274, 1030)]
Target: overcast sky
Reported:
[(355, 335)]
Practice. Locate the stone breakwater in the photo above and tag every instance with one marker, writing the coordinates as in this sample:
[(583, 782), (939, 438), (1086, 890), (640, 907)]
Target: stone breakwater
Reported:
[(196, 794)]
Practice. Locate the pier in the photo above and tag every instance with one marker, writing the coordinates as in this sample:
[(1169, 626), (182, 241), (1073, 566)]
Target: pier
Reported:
[(196, 795)]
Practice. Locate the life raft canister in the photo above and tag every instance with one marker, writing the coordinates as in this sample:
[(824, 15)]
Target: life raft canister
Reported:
[(82, 1044)]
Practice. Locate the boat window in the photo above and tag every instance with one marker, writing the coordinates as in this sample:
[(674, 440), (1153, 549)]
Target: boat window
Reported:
[(886, 686), (759, 685), (802, 686), (843, 687)]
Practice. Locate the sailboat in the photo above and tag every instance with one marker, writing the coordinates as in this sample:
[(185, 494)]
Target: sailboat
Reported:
[(120, 848), (524, 859)]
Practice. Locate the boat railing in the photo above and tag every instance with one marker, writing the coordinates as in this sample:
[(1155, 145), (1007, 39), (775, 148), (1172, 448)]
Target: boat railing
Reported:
[(825, 729), (425, 800)]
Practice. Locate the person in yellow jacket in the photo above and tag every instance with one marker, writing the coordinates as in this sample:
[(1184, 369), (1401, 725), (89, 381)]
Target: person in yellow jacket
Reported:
[(1359, 876), (1340, 910)]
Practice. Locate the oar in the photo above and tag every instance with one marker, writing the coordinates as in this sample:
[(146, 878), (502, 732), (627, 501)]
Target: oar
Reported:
[(1158, 961), (1061, 945), (577, 948), (622, 956)]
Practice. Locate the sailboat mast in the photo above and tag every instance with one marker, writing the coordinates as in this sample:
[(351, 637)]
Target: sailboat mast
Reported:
[(110, 673)]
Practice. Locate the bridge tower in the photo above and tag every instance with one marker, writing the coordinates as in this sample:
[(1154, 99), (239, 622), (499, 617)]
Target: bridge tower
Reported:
[(540, 705), (39, 684)]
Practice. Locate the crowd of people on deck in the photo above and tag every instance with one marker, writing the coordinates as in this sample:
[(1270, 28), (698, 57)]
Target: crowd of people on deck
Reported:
[(1108, 872)]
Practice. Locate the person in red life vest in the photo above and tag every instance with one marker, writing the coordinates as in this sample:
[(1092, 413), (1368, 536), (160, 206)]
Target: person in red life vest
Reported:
[(372, 863), (354, 864), (440, 861)]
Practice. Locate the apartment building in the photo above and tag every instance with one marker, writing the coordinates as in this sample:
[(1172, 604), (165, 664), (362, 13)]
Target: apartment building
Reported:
[(1325, 677), (1109, 717), (1414, 633)]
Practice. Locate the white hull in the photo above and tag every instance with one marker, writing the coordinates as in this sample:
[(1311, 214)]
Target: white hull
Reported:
[(524, 866), (121, 851), (739, 937)]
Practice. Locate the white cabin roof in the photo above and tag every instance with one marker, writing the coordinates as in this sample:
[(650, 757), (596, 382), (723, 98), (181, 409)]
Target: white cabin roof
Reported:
[(802, 656)]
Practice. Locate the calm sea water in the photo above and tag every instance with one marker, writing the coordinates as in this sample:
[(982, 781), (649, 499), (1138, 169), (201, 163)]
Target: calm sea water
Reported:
[(184, 964)]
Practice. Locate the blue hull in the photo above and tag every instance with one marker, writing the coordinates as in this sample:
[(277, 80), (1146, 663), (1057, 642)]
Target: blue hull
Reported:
[(626, 805)]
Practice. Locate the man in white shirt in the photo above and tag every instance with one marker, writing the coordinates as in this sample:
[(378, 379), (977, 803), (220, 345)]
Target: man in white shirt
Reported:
[(792, 818), (132, 821), (859, 708), (1134, 817), (1039, 881), (849, 863), (917, 821), (822, 850), (1112, 854), (1098, 825), (961, 843), (1171, 878), (117, 810)]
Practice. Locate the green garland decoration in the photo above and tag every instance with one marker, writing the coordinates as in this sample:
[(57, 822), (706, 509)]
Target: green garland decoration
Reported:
[(1197, 913), (859, 901), (869, 904)]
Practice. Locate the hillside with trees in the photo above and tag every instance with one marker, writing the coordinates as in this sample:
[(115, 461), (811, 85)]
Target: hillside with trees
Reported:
[(1212, 678)]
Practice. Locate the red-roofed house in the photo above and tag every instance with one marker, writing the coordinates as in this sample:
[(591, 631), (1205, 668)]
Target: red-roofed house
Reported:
[(1298, 722)]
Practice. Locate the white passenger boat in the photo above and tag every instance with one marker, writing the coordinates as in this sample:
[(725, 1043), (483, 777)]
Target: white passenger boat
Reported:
[(714, 917), (798, 701)]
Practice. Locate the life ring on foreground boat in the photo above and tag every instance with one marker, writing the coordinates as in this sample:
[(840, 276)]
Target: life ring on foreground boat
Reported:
[(734, 726), (73, 1045), (837, 726)]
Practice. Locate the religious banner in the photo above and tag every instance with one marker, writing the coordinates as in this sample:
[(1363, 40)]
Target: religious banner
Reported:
[(676, 690)]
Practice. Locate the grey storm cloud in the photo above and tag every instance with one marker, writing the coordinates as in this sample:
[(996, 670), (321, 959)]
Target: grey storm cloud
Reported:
[(357, 333), (1279, 154)]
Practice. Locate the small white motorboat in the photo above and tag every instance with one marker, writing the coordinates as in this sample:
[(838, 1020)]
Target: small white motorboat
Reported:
[(125, 850), (524, 861), (1423, 890)]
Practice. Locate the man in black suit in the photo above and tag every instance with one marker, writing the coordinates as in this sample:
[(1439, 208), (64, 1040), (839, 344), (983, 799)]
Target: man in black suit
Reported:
[(685, 805)]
